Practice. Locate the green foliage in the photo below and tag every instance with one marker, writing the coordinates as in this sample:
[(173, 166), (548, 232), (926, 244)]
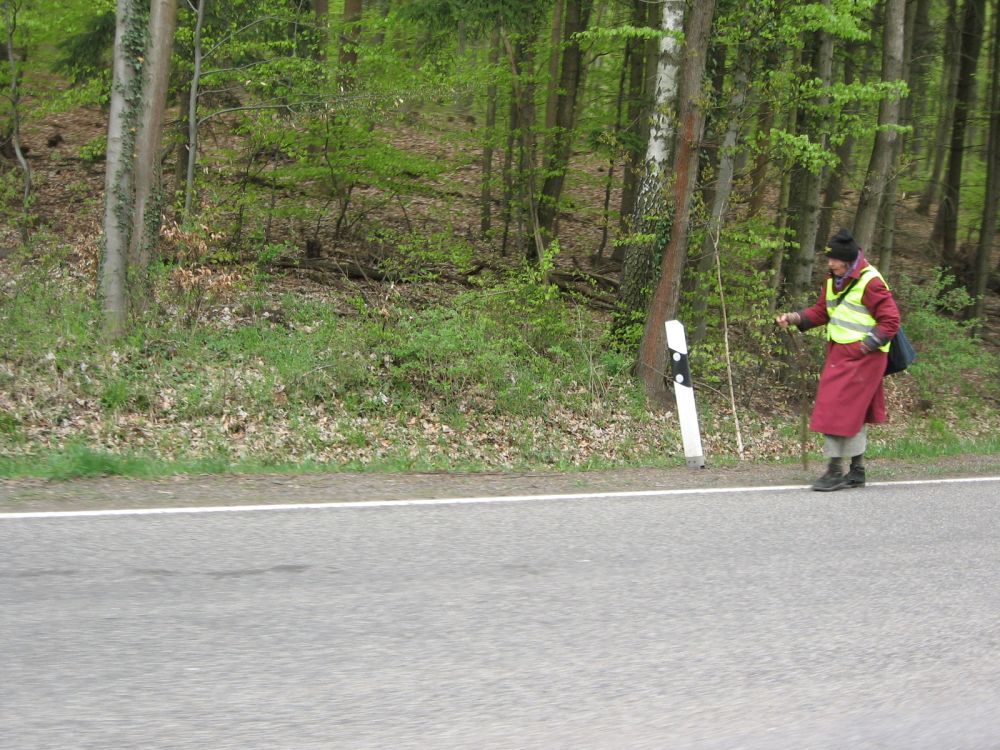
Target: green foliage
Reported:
[(94, 151), (744, 248), (502, 350), (623, 32), (951, 360), (86, 53), (421, 256)]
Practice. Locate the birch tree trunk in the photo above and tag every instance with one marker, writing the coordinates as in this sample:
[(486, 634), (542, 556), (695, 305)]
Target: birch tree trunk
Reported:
[(884, 149), (638, 270), (641, 56), (651, 366)]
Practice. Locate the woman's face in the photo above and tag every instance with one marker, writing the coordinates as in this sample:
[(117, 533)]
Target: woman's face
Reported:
[(837, 267)]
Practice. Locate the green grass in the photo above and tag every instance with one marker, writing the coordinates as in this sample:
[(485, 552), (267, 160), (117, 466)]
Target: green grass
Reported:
[(944, 446), (81, 462), (510, 377)]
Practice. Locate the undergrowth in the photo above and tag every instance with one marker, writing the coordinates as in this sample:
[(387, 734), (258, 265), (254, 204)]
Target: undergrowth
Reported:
[(221, 374)]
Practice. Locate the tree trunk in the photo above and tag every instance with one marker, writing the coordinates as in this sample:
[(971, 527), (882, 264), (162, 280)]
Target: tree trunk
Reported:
[(118, 186), (141, 66), (486, 192), (641, 57), (988, 225), (522, 62), (946, 223), (720, 201), (638, 270), (507, 204), (946, 113), (609, 177), (10, 21), (758, 175), (808, 220), (845, 159), (349, 38), (148, 207), (322, 11), (887, 213), (777, 276), (557, 162), (921, 51), (883, 155), (192, 113), (552, 93), (651, 366)]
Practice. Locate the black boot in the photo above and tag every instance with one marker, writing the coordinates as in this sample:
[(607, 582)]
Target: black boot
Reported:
[(856, 476), (834, 479)]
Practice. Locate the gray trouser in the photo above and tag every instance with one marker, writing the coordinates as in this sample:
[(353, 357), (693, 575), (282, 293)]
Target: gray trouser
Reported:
[(835, 446)]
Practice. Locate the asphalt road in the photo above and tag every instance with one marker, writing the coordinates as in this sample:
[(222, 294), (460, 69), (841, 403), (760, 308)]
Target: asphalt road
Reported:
[(778, 619)]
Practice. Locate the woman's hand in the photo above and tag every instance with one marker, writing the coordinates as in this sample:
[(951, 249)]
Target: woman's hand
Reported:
[(788, 319)]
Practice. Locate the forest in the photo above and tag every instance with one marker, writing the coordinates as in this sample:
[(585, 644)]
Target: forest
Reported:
[(447, 234)]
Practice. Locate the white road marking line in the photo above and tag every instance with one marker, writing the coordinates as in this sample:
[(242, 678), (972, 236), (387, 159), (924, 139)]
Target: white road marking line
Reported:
[(449, 500)]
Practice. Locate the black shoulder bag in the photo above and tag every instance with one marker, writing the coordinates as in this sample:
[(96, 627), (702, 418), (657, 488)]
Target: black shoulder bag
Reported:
[(901, 353)]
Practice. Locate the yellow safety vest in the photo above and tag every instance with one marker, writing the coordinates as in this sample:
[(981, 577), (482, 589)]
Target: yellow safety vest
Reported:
[(850, 320)]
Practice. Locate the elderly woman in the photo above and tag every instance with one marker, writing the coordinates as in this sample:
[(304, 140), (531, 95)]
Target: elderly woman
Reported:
[(861, 317)]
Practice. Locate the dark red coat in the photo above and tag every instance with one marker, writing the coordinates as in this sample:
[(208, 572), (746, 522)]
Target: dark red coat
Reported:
[(850, 386)]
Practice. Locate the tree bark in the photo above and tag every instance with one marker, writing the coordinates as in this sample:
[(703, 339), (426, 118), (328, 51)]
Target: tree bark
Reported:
[(486, 191), (946, 113), (988, 225), (777, 276), (552, 93), (651, 366), (149, 135), (322, 10), (882, 160), (808, 220), (720, 201), (118, 187), (921, 52), (141, 66), (638, 270), (349, 37), (572, 73), (10, 20), (639, 54), (845, 159), (887, 212), (192, 113), (522, 61), (946, 223)]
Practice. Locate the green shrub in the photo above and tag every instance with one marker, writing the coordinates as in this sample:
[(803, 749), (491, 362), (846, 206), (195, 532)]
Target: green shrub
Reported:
[(952, 362)]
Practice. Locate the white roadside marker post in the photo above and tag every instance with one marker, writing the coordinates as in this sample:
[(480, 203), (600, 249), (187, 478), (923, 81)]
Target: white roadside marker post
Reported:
[(684, 393)]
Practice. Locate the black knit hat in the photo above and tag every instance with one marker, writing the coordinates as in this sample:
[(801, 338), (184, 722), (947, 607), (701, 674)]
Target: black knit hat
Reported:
[(842, 247)]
